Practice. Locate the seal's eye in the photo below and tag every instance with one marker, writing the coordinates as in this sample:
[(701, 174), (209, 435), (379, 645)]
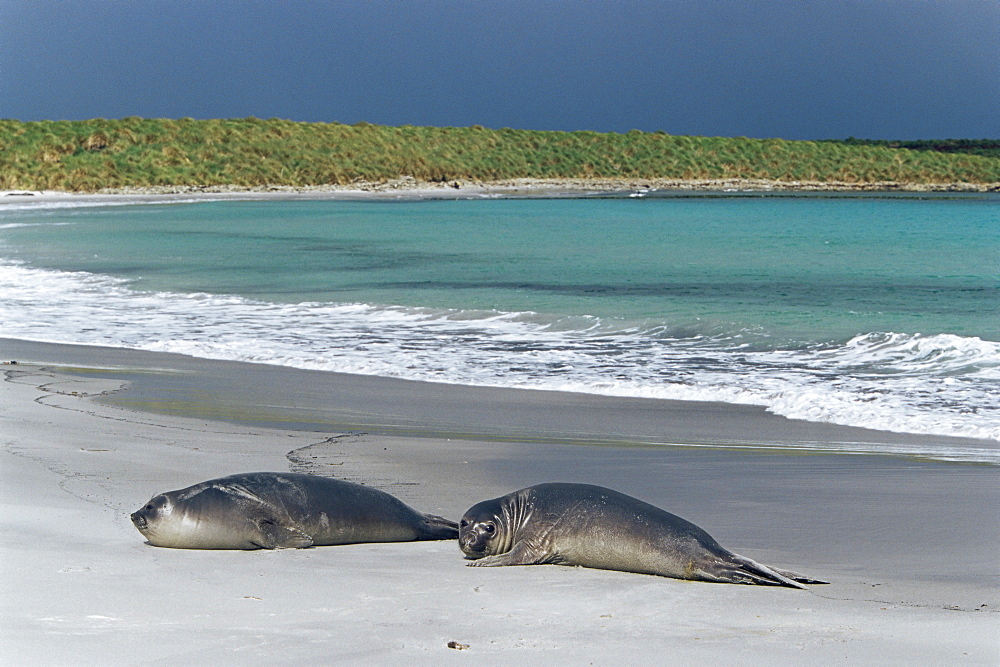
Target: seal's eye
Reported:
[(490, 528), (149, 508), (463, 524)]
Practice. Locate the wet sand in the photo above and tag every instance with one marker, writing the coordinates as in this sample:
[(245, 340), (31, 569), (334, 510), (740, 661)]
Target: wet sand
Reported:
[(909, 545)]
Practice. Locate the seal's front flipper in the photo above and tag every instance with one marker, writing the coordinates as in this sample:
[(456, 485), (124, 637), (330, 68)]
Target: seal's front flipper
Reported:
[(275, 536), (436, 527), (521, 554)]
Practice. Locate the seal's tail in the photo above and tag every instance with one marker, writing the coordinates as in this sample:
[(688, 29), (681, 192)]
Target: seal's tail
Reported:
[(438, 528)]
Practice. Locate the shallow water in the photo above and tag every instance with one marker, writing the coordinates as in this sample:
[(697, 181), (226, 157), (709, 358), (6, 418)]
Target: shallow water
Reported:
[(862, 310)]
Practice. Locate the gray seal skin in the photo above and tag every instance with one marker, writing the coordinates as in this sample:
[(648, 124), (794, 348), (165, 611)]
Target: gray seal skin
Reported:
[(590, 526), (270, 510)]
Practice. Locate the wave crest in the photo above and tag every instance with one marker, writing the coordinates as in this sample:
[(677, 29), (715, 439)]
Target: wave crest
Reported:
[(939, 384)]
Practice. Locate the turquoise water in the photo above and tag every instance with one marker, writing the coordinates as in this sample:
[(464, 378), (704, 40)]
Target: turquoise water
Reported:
[(875, 311)]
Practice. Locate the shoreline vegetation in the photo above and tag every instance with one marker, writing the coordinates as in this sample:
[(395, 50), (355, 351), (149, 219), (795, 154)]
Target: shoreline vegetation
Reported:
[(163, 156)]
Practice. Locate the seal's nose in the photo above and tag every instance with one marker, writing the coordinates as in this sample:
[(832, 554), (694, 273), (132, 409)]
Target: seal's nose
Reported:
[(467, 542), (139, 520)]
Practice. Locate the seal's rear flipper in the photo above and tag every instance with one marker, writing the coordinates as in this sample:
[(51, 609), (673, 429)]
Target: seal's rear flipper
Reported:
[(737, 569), (438, 528), (801, 578)]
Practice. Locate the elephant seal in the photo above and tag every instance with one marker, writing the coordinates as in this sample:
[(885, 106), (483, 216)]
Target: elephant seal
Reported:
[(271, 510), (590, 526)]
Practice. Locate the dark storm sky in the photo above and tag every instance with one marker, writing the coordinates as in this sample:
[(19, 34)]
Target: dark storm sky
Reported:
[(904, 69)]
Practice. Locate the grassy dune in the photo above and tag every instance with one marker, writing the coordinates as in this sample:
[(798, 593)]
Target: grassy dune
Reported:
[(135, 152), (984, 147)]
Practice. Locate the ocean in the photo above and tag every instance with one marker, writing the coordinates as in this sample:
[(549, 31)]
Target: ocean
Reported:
[(878, 311)]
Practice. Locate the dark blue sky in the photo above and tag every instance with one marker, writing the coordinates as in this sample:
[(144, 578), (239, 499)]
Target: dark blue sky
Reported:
[(900, 69)]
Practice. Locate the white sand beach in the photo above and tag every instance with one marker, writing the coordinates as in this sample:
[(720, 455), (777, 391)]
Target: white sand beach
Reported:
[(410, 188), (908, 546)]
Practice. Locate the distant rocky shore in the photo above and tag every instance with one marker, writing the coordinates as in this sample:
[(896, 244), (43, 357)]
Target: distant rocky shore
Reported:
[(551, 186), (521, 187)]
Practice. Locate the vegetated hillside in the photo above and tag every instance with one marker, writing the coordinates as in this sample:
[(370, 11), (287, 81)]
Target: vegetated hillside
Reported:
[(984, 147), (95, 154)]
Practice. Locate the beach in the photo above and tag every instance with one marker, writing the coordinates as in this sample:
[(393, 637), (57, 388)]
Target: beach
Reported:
[(908, 545), (411, 188), (679, 324)]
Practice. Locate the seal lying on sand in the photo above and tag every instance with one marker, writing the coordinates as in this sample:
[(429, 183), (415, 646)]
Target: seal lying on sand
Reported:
[(270, 510), (581, 524)]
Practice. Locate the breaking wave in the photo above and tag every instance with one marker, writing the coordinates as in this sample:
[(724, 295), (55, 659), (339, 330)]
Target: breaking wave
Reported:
[(936, 384)]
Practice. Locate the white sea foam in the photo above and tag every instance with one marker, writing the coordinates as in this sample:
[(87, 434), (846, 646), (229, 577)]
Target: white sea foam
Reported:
[(63, 201), (14, 225), (939, 384)]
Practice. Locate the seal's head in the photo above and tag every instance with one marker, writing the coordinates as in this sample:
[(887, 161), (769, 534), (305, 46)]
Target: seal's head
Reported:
[(480, 532), (150, 518)]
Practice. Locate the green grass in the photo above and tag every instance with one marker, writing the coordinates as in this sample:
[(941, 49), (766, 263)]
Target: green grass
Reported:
[(133, 152), (984, 147)]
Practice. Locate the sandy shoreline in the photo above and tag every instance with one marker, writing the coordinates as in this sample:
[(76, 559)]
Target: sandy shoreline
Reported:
[(909, 545), (283, 397), (410, 188)]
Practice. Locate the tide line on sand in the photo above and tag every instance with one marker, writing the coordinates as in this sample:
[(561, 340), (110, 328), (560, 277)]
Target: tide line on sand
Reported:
[(81, 586)]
